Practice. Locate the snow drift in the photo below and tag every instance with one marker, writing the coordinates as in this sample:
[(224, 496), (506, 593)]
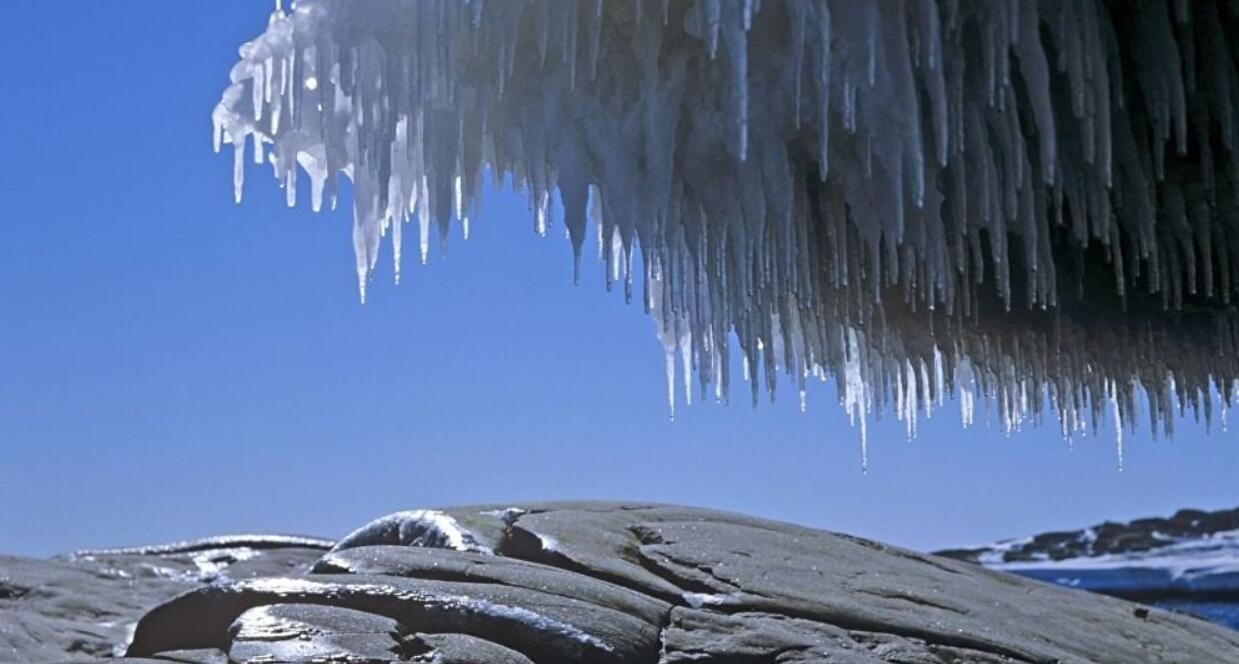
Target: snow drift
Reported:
[(1021, 203)]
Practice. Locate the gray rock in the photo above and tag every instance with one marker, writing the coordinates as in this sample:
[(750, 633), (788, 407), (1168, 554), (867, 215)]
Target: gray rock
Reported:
[(697, 636), (316, 633), (311, 633), (559, 583), (465, 649), (542, 625), (472, 568), (87, 603), (204, 656), (731, 563), (51, 610)]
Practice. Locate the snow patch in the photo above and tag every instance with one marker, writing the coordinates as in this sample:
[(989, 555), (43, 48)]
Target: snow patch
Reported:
[(700, 600), (507, 515), (424, 528)]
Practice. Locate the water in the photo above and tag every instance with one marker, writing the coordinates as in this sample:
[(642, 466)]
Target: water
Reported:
[(1137, 583), (1222, 613)]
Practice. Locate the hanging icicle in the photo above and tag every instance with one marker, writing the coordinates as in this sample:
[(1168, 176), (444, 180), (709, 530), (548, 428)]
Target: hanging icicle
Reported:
[(1019, 203)]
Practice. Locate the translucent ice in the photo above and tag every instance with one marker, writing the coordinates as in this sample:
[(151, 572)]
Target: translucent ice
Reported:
[(1033, 201)]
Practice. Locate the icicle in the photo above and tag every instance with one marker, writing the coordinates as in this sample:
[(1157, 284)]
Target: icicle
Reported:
[(823, 83), (1098, 153), (458, 197), (238, 168), (1112, 390), (670, 357), (686, 358)]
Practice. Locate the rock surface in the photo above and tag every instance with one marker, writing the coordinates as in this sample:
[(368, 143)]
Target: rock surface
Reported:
[(87, 603), (558, 583)]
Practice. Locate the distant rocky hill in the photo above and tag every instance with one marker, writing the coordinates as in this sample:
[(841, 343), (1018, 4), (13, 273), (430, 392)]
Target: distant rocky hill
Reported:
[(1109, 538), (1188, 562), (562, 583)]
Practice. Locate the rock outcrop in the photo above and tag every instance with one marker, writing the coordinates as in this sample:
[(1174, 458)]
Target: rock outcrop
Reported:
[(86, 603), (588, 582)]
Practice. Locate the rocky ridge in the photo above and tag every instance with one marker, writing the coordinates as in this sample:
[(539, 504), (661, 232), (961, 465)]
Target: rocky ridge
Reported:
[(570, 582), (1108, 538)]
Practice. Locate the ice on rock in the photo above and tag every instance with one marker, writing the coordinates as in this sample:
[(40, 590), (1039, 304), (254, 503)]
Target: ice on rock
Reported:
[(1019, 203), (420, 528)]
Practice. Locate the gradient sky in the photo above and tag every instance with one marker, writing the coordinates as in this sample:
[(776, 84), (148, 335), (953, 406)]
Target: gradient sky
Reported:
[(173, 365)]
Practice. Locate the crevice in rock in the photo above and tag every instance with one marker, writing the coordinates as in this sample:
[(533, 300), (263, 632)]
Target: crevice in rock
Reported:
[(702, 657), (12, 591), (874, 641), (89, 648), (684, 583), (483, 578), (857, 624), (911, 599), (409, 645), (525, 545), (662, 635), (906, 555), (837, 620), (646, 535)]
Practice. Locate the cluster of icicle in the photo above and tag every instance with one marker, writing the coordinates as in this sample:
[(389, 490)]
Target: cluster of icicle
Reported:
[(840, 184)]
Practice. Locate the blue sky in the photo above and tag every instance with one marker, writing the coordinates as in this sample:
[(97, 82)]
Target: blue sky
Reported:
[(173, 365)]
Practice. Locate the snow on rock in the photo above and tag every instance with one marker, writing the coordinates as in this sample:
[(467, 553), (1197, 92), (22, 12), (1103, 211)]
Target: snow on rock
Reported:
[(425, 528), (209, 544), (1019, 203)]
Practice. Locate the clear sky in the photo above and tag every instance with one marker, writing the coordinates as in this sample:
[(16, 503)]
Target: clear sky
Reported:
[(173, 365)]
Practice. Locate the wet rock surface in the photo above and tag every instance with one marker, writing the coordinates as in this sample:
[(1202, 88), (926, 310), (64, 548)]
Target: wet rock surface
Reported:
[(601, 583)]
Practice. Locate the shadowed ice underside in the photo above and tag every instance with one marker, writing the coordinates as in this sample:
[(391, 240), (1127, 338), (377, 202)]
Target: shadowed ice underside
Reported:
[(1022, 205)]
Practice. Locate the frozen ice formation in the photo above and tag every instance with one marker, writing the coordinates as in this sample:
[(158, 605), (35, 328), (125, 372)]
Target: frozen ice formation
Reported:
[(1019, 203)]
